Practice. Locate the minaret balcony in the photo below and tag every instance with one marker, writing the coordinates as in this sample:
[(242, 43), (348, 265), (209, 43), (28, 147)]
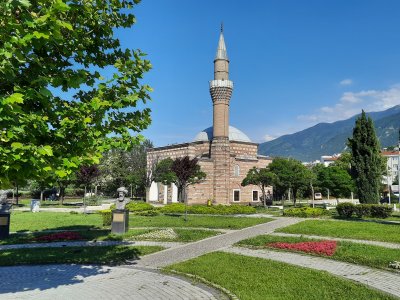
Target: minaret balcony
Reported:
[(221, 83)]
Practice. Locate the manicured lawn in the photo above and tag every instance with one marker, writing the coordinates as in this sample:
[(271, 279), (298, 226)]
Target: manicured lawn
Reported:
[(79, 255), (27, 221), (362, 230), (255, 278), (195, 221), (184, 235), (367, 255)]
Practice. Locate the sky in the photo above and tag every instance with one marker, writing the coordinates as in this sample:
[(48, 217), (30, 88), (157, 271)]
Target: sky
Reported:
[(293, 63)]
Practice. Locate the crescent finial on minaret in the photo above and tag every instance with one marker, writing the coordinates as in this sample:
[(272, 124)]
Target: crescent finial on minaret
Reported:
[(222, 27)]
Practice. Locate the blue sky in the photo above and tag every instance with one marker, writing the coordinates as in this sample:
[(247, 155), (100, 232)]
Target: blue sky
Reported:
[(293, 63)]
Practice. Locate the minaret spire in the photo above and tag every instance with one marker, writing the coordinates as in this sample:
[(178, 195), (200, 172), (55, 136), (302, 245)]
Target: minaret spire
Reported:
[(221, 90)]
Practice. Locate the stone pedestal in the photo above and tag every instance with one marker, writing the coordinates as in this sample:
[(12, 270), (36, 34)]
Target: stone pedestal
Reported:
[(120, 221), (4, 225)]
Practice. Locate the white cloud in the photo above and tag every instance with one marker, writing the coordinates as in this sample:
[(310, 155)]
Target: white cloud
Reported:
[(352, 103), (268, 137), (348, 105), (346, 81)]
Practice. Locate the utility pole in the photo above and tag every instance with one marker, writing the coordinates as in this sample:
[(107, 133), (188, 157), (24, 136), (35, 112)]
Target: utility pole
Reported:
[(387, 181)]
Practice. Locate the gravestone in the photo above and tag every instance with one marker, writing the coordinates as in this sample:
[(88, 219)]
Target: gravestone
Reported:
[(35, 205), (120, 216), (5, 207)]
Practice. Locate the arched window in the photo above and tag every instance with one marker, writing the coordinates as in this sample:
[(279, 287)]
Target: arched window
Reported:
[(236, 170)]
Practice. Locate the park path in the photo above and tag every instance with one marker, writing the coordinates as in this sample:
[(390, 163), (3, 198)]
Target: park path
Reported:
[(382, 280), (188, 251), (85, 282)]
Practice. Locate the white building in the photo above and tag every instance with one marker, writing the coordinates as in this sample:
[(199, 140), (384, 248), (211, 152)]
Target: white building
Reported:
[(392, 165)]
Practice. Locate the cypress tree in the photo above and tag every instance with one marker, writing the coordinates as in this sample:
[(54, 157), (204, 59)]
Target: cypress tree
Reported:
[(366, 160)]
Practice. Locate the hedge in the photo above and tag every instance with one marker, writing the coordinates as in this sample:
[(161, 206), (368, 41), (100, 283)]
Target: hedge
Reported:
[(346, 210), (305, 212), (179, 208), (107, 216)]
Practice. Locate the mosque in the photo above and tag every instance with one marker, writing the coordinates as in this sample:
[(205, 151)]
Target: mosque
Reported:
[(224, 152)]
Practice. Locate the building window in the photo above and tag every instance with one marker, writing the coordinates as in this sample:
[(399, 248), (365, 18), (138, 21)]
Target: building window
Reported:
[(255, 195), (236, 170), (236, 195)]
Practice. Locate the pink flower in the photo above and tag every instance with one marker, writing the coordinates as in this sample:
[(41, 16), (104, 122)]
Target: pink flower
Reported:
[(59, 236), (327, 248)]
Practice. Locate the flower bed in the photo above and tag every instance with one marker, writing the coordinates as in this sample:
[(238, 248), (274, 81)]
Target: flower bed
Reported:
[(323, 247), (60, 236)]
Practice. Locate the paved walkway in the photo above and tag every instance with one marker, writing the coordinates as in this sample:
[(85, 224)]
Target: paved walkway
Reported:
[(374, 243), (96, 282), (381, 280), (184, 252)]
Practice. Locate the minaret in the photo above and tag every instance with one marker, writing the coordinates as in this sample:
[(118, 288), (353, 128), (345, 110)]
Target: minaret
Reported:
[(221, 90)]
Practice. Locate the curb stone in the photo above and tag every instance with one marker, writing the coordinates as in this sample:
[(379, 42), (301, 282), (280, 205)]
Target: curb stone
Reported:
[(231, 295)]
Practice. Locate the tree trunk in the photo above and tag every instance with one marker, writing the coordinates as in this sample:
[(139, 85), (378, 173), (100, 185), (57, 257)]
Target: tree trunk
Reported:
[(312, 194), (17, 197), (264, 197), (185, 199), (147, 194)]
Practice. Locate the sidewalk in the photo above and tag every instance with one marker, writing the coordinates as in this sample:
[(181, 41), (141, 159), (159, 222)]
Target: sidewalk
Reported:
[(195, 249), (382, 280)]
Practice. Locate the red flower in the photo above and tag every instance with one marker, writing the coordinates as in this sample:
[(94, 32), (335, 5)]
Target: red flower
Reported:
[(59, 236), (327, 248)]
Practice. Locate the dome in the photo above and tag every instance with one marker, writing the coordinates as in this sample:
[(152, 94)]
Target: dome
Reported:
[(234, 135)]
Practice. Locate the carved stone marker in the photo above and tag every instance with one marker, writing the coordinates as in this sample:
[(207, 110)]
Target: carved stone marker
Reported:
[(35, 205), (5, 207), (120, 216)]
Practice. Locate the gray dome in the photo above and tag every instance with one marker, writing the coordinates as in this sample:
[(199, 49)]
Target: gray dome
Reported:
[(234, 135)]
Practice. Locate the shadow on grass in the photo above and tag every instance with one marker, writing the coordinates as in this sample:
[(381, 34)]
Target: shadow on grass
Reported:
[(86, 232)]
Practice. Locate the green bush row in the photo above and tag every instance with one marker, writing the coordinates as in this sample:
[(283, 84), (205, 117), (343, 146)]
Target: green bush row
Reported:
[(107, 216), (202, 209), (347, 210), (305, 212), (136, 206)]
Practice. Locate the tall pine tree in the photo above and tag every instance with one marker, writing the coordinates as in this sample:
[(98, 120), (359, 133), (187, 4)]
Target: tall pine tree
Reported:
[(366, 160)]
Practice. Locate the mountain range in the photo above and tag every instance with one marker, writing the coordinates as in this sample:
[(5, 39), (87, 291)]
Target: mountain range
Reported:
[(330, 138)]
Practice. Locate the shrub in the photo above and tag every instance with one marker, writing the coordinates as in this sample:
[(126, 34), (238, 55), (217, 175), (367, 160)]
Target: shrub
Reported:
[(362, 210), (305, 212), (147, 213), (139, 206), (380, 211), (345, 209), (107, 216), (179, 208)]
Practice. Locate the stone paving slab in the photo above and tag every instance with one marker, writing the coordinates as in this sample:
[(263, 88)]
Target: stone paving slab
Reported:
[(375, 243), (382, 280), (96, 282), (90, 244), (184, 252)]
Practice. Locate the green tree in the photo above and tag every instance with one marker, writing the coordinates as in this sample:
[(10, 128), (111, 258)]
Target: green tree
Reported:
[(290, 173), (57, 111), (336, 179), (366, 160), (163, 172), (262, 178), (125, 168)]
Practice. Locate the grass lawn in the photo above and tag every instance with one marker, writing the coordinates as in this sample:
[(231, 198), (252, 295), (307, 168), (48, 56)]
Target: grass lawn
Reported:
[(196, 221), (79, 255), (184, 235), (362, 230), (27, 221), (367, 255), (255, 278)]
